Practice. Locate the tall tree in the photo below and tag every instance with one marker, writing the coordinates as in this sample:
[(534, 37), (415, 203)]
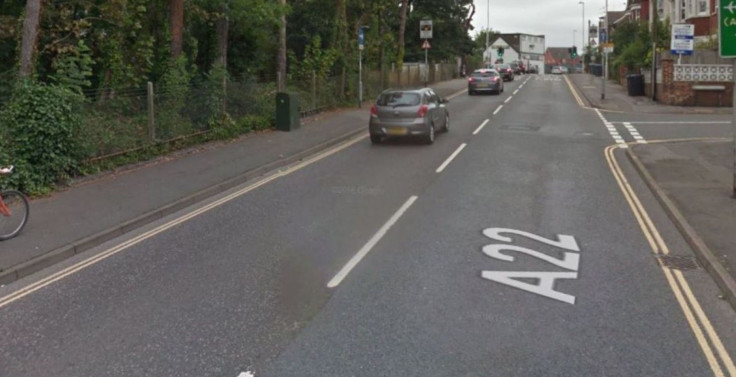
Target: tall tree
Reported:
[(176, 22), (402, 30), (30, 36), (281, 58)]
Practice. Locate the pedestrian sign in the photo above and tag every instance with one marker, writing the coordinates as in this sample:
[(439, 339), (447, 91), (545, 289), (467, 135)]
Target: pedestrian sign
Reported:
[(426, 45), (727, 28)]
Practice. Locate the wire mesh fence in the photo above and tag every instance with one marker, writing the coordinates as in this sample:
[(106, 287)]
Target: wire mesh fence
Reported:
[(119, 120)]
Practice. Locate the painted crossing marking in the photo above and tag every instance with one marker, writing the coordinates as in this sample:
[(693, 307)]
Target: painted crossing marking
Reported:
[(634, 133), (612, 131)]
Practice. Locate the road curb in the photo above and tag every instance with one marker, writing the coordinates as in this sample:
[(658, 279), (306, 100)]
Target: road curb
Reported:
[(705, 255), (59, 254), (589, 103)]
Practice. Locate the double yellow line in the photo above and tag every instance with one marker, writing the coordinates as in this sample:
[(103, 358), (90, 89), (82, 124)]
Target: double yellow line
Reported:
[(574, 92), (713, 349)]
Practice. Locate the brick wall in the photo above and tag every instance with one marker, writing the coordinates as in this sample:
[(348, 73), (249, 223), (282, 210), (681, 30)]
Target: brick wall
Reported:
[(681, 93)]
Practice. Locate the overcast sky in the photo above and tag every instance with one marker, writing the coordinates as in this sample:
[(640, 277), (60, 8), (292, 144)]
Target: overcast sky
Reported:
[(555, 19)]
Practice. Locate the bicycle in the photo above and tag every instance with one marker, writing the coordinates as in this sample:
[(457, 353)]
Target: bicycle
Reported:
[(13, 210)]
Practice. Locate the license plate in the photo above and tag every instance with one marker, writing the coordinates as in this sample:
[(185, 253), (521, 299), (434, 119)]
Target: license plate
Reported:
[(396, 131), (481, 85)]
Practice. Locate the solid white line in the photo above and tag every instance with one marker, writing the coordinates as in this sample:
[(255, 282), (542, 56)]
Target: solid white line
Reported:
[(480, 127), (20, 293), (677, 122), (459, 92), (368, 246), (516, 91), (452, 157), (498, 109), (508, 99)]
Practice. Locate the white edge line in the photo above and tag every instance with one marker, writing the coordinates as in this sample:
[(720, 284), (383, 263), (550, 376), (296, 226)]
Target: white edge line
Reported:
[(345, 270), (452, 157), (508, 99), (498, 109), (480, 127), (676, 122), (459, 92)]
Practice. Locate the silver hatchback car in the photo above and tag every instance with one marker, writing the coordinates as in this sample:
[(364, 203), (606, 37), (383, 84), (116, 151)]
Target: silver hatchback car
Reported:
[(414, 112), (485, 80)]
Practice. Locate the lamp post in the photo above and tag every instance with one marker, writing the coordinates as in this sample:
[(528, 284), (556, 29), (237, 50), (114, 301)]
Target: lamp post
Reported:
[(582, 34), (488, 28)]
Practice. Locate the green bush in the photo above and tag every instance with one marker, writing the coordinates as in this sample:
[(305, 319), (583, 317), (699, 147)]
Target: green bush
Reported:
[(39, 131)]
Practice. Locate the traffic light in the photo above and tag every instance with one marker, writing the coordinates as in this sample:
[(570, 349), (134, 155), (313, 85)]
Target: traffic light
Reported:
[(573, 51), (500, 52)]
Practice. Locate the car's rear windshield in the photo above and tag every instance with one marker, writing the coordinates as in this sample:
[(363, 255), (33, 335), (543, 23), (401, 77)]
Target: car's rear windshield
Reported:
[(398, 99), (485, 74)]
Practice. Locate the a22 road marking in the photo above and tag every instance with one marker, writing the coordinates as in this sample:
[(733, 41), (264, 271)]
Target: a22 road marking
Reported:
[(545, 280)]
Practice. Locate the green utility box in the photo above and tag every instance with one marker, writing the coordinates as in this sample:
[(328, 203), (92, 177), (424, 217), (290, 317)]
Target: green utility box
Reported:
[(287, 111)]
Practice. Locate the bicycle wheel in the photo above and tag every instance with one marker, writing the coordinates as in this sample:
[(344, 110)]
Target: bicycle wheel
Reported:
[(13, 222)]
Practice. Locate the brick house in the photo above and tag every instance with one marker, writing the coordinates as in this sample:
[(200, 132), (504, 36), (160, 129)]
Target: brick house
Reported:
[(560, 56)]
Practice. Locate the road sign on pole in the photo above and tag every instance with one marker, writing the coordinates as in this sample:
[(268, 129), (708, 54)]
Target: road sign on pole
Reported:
[(361, 38), (425, 29), (682, 39), (727, 28), (426, 45), (727, 49)]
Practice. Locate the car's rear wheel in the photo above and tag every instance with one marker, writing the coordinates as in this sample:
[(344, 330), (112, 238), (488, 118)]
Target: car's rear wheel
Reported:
[(429, 137), (376, 139), (446, 128), (470, 92)]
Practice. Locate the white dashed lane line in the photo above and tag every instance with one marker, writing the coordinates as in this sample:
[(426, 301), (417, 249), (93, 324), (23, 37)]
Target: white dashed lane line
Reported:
[(481, 126), (508, 99), (498, 109)]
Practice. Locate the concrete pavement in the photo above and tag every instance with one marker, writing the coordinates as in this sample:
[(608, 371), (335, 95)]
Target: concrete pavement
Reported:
[(693, 180), (95, 210)]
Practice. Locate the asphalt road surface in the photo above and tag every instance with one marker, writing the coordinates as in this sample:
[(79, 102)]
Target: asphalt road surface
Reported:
[(521, 243)]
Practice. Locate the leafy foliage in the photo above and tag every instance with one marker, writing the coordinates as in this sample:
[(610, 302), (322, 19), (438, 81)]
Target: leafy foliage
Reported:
[(38, 128)]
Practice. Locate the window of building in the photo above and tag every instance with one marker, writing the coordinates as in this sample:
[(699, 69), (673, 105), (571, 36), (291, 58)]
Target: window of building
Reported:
[(703, 7)]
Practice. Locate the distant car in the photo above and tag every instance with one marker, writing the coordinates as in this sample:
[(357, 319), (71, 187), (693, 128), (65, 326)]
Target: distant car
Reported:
[(485, 80), (416, 112), (516, 67), (505, 70), (532, 69), (559, 69)]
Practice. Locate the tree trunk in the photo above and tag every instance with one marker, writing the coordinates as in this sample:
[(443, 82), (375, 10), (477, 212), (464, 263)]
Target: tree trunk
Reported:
[(176, 21), (402, 30), (30, 36), (281, 58), (222, 35)]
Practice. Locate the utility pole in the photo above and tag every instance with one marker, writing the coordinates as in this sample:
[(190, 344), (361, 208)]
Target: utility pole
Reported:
[(488, 29), (605, 56), (582, 35)]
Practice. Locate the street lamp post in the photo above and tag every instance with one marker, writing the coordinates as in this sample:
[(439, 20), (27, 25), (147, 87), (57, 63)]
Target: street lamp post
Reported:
[(582, 34), (488, 29), (605, 57)]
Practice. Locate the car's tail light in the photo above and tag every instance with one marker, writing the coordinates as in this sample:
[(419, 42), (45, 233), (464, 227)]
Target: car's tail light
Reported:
[(423, 111), (374, 111), (495, 78), (471, 79)]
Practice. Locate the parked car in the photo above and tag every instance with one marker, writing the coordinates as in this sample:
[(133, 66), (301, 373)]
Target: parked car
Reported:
[(414, 112), (505, 70), (516, 67), (559, 69), (485, 80)]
